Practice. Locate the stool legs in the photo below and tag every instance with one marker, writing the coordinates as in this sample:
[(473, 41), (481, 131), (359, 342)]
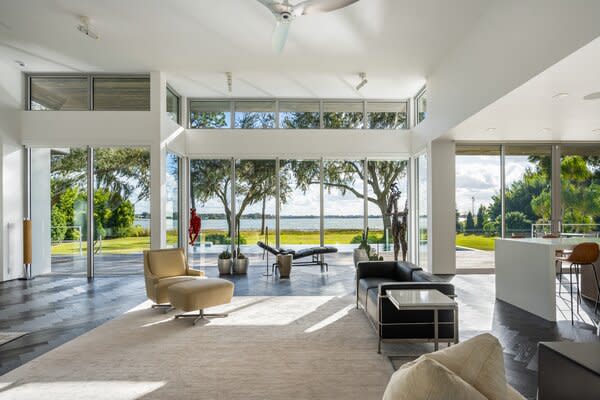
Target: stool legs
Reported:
[(598, 286)]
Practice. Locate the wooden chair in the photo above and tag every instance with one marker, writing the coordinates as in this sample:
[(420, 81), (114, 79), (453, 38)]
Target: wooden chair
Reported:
[(583, 254)]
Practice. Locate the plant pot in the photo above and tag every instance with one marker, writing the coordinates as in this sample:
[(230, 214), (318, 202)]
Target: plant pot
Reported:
[(284, 263), (360, 255), (224, 266), (241, 266)]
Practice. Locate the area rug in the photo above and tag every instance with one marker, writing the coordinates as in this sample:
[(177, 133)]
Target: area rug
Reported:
[(317, 347), (6, 337)]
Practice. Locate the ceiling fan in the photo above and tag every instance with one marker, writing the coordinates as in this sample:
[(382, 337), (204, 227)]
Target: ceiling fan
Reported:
[(285, 13)]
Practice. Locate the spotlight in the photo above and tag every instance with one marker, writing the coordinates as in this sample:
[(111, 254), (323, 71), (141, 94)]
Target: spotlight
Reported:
[(229, 76), (363, 82)]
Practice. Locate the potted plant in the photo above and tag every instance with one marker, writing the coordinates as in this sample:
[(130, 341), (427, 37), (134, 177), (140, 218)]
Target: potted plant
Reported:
[(241, 263), (362, 252), (225, 262)]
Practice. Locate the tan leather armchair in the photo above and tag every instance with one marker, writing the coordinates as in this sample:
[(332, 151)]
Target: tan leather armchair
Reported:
[(163, 268)]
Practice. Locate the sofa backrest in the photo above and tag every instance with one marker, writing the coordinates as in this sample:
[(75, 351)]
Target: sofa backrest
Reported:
[(405, 270), (423, 276)]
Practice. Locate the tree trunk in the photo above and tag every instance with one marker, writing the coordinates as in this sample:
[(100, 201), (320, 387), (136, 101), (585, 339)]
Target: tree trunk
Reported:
[(262, 223)]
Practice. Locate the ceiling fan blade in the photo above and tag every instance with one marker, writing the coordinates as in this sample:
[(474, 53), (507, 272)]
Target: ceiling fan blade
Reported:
[(280, 35), (319, 6)]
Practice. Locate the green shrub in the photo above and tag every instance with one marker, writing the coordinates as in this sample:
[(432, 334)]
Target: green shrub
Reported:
[(58, 222)]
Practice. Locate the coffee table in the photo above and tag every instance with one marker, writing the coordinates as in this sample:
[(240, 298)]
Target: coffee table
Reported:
[(425, 299)]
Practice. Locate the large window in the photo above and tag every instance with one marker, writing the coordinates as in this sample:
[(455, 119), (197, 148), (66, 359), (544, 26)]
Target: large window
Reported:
[(59, 94), (121, 94), (527, 194), (300, 203), (255, 193), (343, 203), (478, 204), (422, 215), (210, 187), (73, 93), (173, 105), (121, 209), (254, 114), (299, 115), (387, 115), (210, 114), (382, 176), (421, 106), (580, 178), (172, 217), (68, 205), (343, 115)]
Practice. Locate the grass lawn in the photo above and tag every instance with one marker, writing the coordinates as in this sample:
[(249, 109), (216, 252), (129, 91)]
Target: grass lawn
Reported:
[(477, 242), (288, 237)]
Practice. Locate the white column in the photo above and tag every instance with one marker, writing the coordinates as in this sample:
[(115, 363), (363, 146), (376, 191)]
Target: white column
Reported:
[(40, 211), (441, 207), (158, 155)]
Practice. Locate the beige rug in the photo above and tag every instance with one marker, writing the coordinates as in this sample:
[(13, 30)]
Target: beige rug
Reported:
[(292, 347)]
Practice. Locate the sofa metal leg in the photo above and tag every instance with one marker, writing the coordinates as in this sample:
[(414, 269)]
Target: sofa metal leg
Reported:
[(201, 316)]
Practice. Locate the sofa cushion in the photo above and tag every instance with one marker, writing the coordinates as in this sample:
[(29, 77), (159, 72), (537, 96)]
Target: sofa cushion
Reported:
[(423, 276), (426, 379), (478, 361), (165, 263)]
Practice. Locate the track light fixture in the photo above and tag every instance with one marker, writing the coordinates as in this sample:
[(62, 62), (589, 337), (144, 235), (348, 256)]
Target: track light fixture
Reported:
[(363, 80), (229, 76), (85, 28)]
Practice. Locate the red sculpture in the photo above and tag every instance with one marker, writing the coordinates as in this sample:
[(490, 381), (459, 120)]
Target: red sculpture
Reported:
[(195, 225)]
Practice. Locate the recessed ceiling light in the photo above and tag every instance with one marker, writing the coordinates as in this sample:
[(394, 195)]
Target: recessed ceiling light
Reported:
[(597, 130), (546, 130), (490, 130), (560, 95), (592, 96), (20, 63)]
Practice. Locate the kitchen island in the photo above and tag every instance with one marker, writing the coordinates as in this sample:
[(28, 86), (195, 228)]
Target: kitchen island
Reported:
[(526, 272)]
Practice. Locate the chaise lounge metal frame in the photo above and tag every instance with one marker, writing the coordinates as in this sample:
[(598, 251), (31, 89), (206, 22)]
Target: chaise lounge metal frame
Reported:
[(314, 252)]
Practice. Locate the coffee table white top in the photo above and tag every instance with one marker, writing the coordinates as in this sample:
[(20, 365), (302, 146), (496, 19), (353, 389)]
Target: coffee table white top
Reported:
[(419, 298)]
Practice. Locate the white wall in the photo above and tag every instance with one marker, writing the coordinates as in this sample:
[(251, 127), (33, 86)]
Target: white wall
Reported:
[(441, 205), (297, 143), (11, 173), (513, 41), (40, 211)]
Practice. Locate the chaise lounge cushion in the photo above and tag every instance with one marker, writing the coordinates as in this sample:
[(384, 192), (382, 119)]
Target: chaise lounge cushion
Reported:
[(426, 379)]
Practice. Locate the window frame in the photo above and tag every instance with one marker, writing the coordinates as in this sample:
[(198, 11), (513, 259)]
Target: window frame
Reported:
[(320, 101), (90, 86), (422, 92), (178, 97)]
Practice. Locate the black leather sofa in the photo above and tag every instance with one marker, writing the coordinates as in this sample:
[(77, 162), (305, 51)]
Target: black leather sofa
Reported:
[(374, 278)]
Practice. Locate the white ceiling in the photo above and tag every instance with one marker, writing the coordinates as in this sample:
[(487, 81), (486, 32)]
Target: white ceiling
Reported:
[(396, 42), (533, 112)]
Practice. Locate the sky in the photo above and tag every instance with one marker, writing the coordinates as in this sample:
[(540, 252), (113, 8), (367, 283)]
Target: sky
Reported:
[(479, 177)]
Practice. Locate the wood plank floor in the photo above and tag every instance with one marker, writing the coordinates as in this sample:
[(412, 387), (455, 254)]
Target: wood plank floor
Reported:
[(57, 308)]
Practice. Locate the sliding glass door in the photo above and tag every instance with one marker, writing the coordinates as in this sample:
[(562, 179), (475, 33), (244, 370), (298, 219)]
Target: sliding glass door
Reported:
[(121, 209), (210, 196), (300, 203)]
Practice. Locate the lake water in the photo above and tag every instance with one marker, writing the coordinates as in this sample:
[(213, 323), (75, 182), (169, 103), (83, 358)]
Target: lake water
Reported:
[(300, 224)]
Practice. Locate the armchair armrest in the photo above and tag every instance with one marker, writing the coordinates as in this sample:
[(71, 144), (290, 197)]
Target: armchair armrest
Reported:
[(444, 287), (376, 269), (194, 272)]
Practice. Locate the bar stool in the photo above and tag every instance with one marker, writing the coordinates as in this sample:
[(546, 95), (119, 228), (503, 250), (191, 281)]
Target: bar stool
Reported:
[(583, 254), (559, 256)]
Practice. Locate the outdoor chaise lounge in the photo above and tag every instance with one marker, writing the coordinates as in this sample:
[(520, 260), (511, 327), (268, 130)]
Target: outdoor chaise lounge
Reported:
[(313, 252)]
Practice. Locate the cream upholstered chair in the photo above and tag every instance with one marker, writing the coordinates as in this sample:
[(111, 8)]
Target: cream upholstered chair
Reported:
[(163, 268)]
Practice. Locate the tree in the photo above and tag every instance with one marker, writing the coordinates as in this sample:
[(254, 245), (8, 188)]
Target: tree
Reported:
[(122, 170), (58, 223), (470, 224), (459, 226), (343, 175), (481, 218)]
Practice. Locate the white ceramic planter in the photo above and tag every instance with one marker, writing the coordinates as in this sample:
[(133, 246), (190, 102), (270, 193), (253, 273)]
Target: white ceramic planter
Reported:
[(240, 266), (360, 255), (224, 266)]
